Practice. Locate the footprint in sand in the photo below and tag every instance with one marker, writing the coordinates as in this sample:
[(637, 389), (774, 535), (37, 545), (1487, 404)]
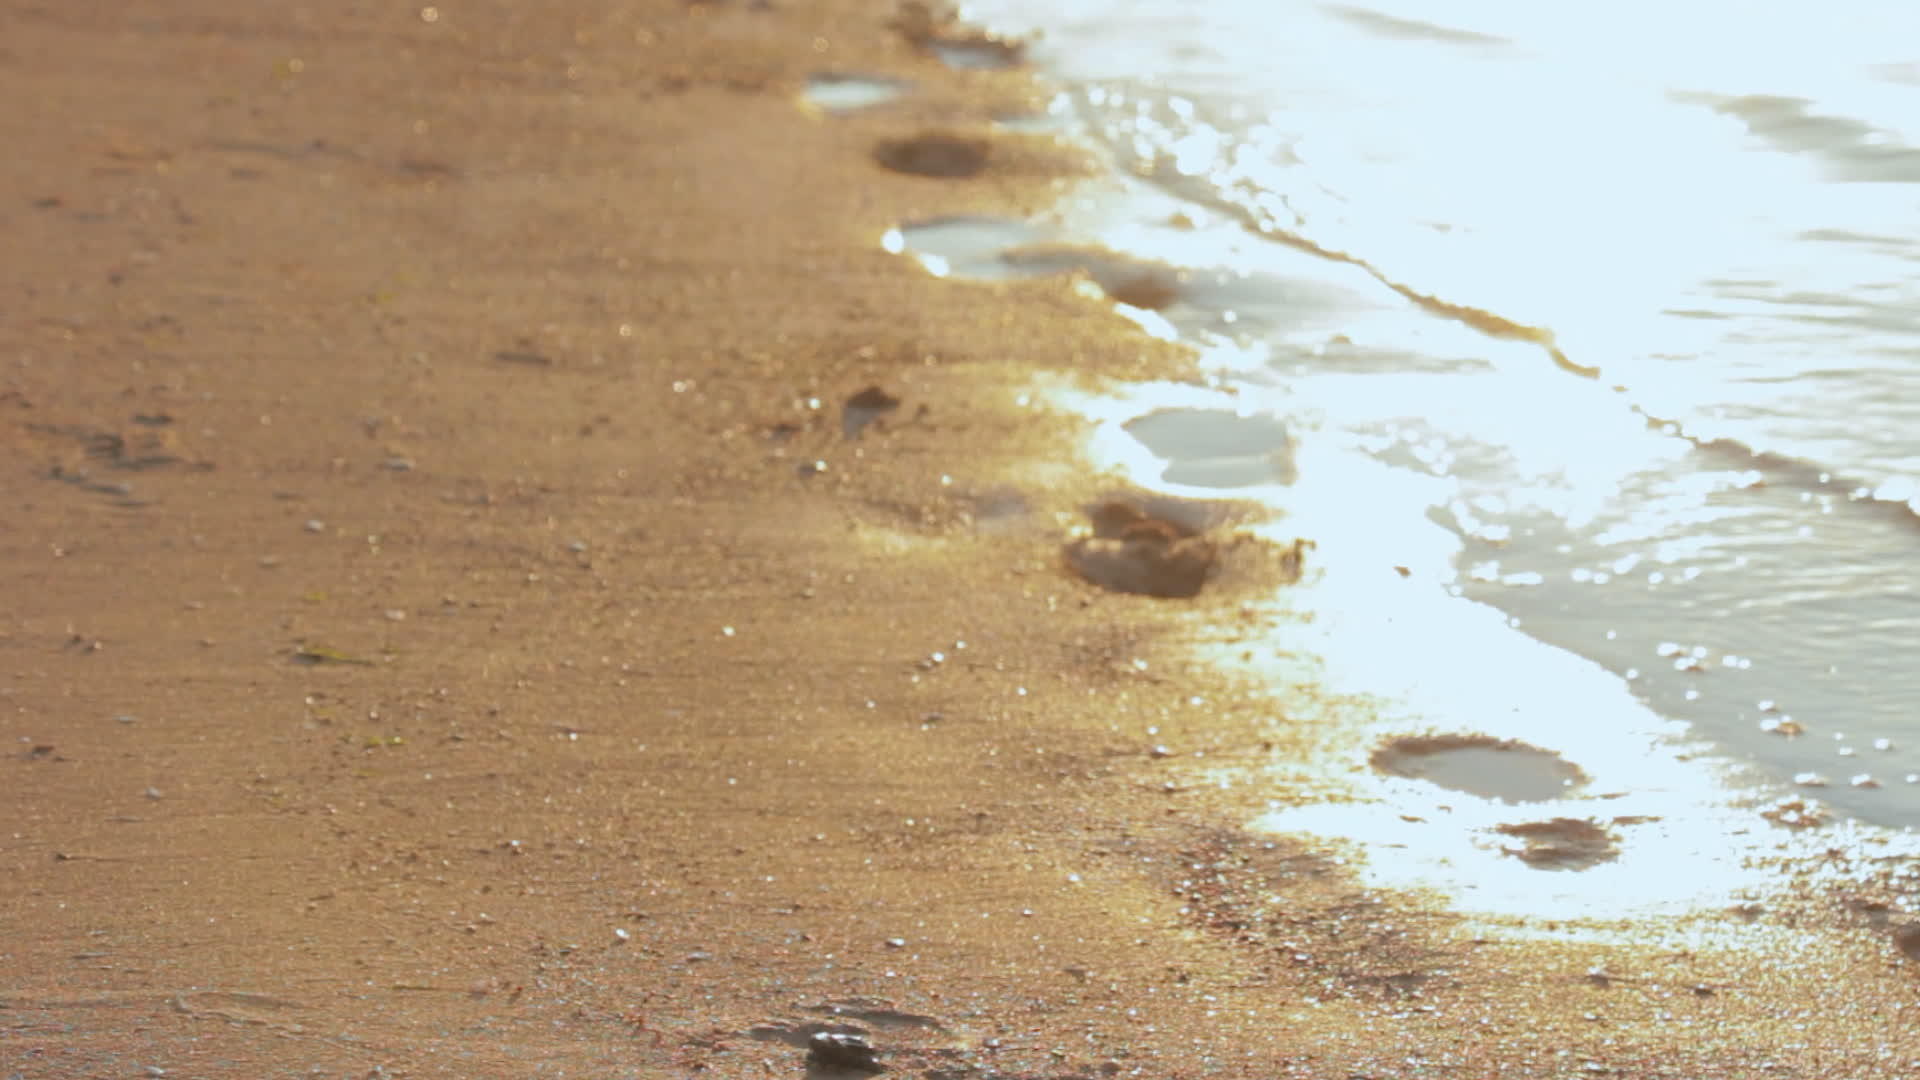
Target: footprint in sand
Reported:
[(935, 154), (1503, 769), (1134, 551), (1560, 844)]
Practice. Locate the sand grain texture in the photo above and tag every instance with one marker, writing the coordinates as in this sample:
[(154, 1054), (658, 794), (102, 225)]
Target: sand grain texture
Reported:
[(443, 635)]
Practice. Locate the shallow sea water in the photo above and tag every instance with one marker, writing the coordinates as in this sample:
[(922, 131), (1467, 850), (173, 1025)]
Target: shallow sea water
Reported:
[(1592, 340)]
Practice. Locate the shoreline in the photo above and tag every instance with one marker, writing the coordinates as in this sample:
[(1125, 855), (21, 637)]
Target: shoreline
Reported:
[(476, 669)]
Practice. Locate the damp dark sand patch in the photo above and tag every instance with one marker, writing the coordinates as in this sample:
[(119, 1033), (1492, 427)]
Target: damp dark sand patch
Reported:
[(934, 154), (958, 155), (1503, 769), (836, 92)]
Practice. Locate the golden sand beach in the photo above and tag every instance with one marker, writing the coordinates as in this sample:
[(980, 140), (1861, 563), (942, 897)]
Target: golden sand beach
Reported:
[(451, 630)]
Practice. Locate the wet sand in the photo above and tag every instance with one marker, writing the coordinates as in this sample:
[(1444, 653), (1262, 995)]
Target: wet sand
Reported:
[(450, 630)]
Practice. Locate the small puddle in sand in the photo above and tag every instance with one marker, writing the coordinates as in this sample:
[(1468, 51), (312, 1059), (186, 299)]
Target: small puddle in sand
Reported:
[(1215, 448), (1046, 123), (1138, 283), (845, 93), (998, 249), (978, 53), (1169, 300), (1509, 771), (966, 246)]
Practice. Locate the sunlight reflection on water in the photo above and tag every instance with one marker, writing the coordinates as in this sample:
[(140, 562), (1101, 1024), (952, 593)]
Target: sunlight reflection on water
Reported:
[(1354, 198)]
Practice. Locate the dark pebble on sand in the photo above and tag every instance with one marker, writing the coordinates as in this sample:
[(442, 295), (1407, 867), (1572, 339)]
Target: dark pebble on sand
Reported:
[(841, 1050)]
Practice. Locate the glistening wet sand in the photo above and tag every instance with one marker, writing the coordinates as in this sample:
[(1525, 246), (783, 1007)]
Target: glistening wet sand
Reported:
[(450, 630)]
